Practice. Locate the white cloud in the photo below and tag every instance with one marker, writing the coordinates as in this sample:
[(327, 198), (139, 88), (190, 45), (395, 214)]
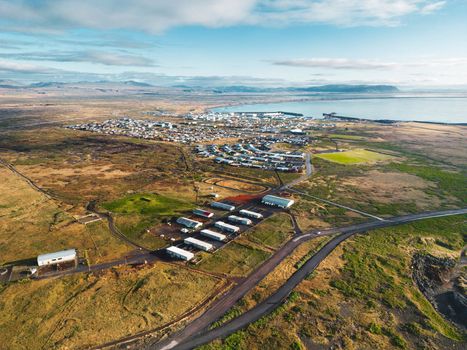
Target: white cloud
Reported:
[(432, 7), (335, 63), (355, 64), (10, 66), (148, 15), (155, 16), (102, 57)]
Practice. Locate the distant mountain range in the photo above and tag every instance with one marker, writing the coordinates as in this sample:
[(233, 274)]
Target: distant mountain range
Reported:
[(350, 88), (336, 88), (342, 88)]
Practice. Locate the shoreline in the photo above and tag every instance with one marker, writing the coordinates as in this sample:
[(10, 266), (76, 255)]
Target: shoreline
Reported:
[(376, 120)]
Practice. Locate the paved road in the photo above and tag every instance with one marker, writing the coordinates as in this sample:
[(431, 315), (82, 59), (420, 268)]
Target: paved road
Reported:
[(137, 258), (308, 173), (195, 333)]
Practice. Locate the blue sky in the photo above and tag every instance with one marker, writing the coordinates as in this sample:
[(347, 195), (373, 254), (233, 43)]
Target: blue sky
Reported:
[(222, 42)]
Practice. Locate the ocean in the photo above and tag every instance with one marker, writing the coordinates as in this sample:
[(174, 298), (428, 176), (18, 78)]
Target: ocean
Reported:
[(439, 109)]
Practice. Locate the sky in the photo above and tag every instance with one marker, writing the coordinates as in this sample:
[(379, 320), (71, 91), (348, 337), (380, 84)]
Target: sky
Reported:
[(408, 43)]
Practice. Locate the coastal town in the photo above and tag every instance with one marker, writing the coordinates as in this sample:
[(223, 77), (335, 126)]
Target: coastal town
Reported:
[(209, 126)]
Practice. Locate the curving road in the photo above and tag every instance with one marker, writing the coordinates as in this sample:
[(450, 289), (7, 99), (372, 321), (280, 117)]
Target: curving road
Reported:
[(91, 206), (195, 333)]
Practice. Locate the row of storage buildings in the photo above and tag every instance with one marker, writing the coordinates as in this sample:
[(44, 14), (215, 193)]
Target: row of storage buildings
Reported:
[(225, 227)]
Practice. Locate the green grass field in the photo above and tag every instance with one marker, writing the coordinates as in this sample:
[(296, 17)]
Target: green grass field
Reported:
[(234, 259), (346, 137), (355, 156), (272, 232), (138, 212), (148, 204)]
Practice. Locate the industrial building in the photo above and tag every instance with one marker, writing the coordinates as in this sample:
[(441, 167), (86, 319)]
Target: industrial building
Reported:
[(251, 214), (226, 227), (198, 244), (277, 201), (203, 213), (214, 235), (64, 256), (189, 223), (223, 206), (239, 220), (179, 253)]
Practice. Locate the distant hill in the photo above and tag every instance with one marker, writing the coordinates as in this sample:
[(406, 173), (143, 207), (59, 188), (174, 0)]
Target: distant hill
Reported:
[(242, 88), (137, 83), (350, 88), (229, 89), (42, 84), (9, 84), (336, 88)]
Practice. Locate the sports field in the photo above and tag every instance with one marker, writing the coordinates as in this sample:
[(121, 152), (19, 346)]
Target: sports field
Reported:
[(354, 156)]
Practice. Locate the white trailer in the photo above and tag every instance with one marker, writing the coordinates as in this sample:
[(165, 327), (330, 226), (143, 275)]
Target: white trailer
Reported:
[(214, 235), (179, 253), (239, 220), (189, 223), (198, 244), (57, 257), (226, 227), (251, 214), (223, 206)]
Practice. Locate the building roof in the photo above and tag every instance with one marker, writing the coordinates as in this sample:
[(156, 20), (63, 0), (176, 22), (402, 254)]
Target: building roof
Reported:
[(188, 222), (236, 218), (180, 252), (222, 205), (203, 212), (278, 200), (69, 254), (210, 233), (252, 213), (224, 224), (197, 242)]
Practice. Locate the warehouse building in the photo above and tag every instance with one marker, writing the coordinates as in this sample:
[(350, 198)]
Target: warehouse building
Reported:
[(251, 214), (198, 244), (64, 256), (223, 206), (214, 235), (226, 227), (277, 201), (189, 223), (179, 253), (203, 213), (239, 220)]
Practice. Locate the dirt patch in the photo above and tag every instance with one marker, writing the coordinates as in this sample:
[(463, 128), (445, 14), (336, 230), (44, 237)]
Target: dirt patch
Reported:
[(104, 171), (390, 187), (445, 143), (241, 186), (243, 198)]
